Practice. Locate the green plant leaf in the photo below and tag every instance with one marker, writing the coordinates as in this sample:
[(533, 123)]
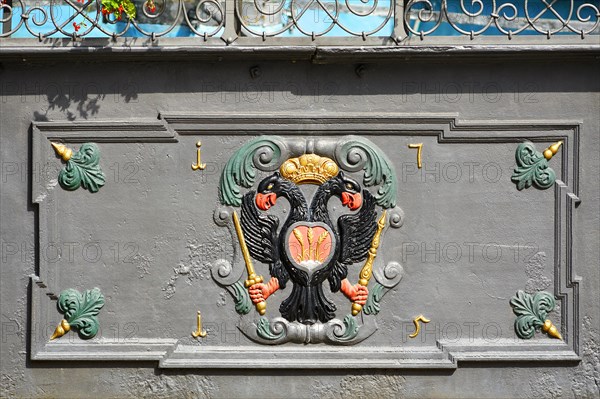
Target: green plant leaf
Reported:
[(112, 6), (129, 8)]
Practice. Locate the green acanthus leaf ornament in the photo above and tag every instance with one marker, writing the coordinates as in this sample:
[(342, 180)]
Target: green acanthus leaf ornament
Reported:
[(531, 311), (243, 304), (266, 331), (351, 330), (532, 166), (82, 167), (359, 153), (80, 312), (376, 292), (240, 170)]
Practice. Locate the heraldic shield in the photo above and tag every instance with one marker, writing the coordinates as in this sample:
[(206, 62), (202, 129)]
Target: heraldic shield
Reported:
[(310, 243)]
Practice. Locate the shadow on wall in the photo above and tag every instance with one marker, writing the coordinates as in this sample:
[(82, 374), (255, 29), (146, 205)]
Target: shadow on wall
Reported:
[(78, 90), (76, 103)]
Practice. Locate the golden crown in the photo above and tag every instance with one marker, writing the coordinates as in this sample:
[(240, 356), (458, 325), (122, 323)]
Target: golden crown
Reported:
[(309, 169)]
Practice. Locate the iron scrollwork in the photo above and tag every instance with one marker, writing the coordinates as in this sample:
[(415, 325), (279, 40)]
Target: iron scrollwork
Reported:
[(276, 18), (425, 17), (289, 19), (89, 18)]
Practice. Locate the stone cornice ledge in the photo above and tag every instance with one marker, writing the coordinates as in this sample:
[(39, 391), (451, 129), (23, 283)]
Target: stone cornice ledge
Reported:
[(27, 50)]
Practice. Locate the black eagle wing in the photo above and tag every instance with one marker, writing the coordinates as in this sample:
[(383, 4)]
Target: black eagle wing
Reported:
[(357, 231), (356, 234), (260, 231)]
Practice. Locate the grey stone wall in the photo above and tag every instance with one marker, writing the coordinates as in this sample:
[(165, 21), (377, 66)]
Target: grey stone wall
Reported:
[(492, 90)]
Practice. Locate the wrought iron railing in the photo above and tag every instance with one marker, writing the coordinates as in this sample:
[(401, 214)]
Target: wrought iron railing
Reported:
[(547, 17), (89, 18), (388, 21)]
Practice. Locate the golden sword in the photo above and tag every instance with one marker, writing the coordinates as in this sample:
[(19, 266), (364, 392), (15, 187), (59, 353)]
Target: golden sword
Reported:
[(367, 270), (253, 278)]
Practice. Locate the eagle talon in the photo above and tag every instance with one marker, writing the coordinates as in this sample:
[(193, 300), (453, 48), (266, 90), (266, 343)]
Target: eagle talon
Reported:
[(361, 295), (257, 298), (355, 293), (260, 292)]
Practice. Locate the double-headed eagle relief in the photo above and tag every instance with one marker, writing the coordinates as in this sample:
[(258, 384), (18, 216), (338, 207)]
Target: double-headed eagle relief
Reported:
[(310, 248), (310, 251)]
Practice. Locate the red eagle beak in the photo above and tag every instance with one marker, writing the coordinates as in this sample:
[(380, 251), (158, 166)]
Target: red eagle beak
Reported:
[(352, 201), (265, 201)]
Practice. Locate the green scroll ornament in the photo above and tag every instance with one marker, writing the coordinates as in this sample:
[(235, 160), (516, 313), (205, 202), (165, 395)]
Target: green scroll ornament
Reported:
[(243, 304), (351, 330), (532, 166), (376, 292), (240, 170), (359, 153), (80, 312), (82, 167), (531, 311), (266, 153), (264, 330)]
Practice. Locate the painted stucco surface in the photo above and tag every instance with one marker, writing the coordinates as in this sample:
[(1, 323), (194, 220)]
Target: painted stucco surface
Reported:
[(164, 249)]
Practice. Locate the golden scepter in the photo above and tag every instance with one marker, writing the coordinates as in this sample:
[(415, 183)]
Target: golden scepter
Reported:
[(367, 270), (253, 278)]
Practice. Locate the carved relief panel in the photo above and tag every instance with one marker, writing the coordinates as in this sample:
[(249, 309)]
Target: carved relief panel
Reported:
[(306, 241)]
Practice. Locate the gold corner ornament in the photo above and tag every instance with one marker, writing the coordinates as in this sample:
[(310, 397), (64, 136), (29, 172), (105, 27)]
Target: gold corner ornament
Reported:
[(417, 325), (419, 147), (551, 329), (199, 331), (309, 169), (552, 150), (198, 164), (63, 328), (62, 151), (367, 270), (253, 278)]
